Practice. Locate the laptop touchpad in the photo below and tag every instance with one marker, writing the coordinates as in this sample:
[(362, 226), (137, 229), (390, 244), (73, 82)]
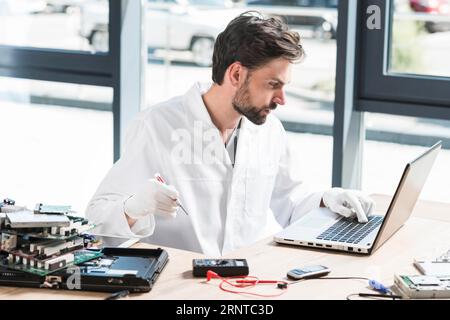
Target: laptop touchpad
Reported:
[(319, 218)]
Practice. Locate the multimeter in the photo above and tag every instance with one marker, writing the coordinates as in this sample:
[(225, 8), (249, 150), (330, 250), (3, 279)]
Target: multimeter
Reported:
[(308, 272), (223, 267)]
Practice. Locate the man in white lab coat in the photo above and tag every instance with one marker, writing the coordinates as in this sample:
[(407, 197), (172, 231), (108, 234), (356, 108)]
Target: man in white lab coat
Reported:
[(223, 155)]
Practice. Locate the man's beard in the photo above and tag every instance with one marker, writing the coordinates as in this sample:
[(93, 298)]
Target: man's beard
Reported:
[(241, 103)]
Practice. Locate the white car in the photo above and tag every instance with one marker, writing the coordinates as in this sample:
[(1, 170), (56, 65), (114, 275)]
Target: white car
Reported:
[(188, 25)]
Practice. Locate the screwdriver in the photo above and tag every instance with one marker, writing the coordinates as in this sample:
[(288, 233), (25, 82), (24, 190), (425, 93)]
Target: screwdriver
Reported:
[(160, 179)]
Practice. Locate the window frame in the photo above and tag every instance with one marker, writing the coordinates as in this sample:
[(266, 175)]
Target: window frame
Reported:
[(394, 93), (70, 66)]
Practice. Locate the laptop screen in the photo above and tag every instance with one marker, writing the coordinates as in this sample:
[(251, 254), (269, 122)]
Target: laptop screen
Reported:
[(408, 191)]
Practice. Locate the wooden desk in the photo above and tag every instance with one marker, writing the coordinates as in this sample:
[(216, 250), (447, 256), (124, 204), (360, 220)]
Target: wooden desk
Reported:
[(426, 234)]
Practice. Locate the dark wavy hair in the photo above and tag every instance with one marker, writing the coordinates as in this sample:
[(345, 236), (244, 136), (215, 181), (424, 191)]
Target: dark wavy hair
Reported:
[(254, 41)]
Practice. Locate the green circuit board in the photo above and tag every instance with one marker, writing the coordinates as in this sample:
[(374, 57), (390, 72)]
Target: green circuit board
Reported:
[(80, 256)]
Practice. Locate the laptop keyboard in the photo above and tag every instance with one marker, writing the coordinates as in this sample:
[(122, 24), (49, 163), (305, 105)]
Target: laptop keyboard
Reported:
[(349, 231)]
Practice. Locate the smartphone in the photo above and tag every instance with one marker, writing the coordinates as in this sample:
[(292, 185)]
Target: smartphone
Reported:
[(308, 272)]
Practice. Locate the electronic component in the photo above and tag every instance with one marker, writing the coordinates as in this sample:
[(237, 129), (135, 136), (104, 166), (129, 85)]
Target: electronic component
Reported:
[(77, 226), (58, 262), (118, 269), (308, 272), (58, 247), (436, 267), (28, 219), (45, 267), (433, 268), (2, 220), (46, 255), (422, 287), (40, 243), (223, 267), (8, 241), (39, 248), (51, 209)]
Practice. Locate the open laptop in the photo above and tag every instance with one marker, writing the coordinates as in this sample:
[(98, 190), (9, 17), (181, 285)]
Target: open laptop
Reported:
[(322, 228)]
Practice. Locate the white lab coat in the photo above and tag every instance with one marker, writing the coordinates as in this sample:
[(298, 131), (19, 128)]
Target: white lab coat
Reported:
[(228, 207)]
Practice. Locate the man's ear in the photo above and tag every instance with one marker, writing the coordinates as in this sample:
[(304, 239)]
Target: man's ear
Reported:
[(236, 74)]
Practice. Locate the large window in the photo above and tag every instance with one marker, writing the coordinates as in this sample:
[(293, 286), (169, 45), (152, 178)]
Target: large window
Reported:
[(55, 24), (394, 91), (404, 66), (404, 139), (57, 141)]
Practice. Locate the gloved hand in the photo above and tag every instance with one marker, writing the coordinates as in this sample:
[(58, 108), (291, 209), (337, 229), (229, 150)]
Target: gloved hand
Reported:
[(153, 197), (349, 203)]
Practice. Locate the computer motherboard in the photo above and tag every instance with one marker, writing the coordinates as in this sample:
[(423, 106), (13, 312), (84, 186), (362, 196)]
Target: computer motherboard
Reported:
[(41, 242)]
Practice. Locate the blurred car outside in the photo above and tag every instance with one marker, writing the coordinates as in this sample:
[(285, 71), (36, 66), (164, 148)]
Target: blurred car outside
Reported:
[(181, 25), (317, 16), (439, 8)]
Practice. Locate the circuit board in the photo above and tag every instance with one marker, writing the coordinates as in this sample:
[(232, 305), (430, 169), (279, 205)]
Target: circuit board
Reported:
[(80, 256), (78, 226)]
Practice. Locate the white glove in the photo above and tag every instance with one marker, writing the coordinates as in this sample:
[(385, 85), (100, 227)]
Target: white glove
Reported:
[(349, 203), (153, 197)]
